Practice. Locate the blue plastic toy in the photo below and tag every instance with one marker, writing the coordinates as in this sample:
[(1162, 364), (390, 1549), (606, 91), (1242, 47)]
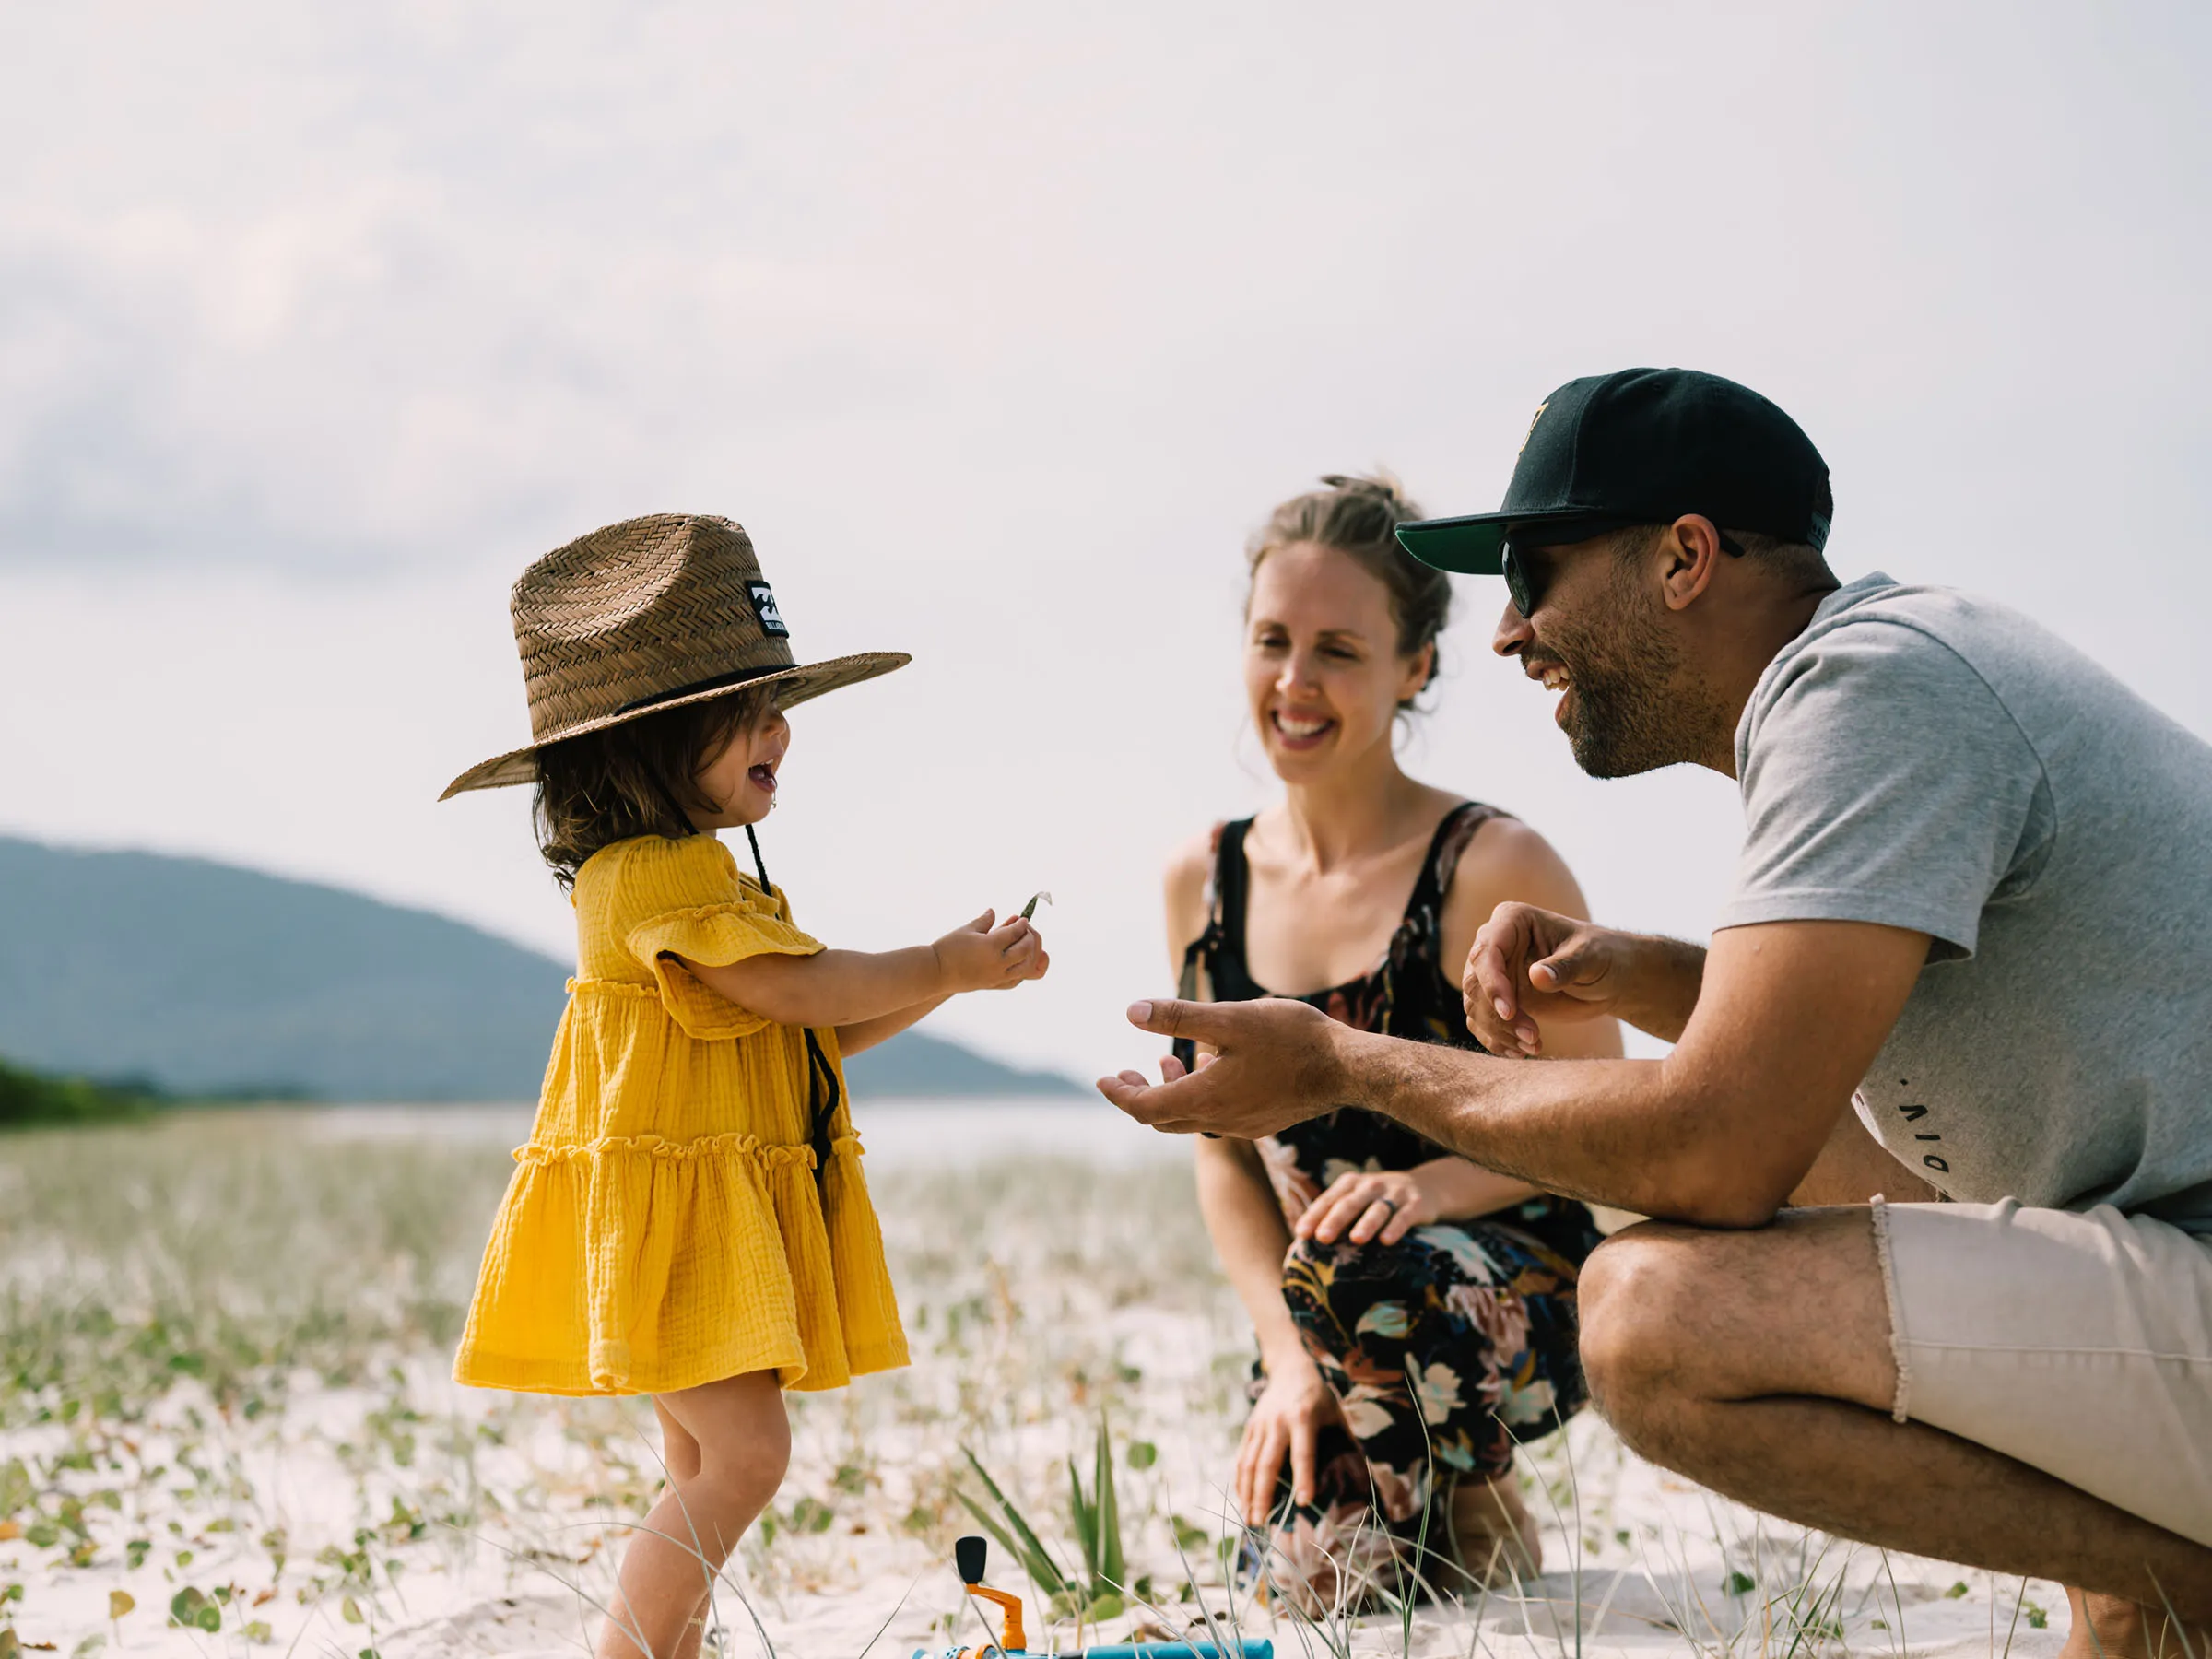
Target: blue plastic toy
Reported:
[(970, 1553)]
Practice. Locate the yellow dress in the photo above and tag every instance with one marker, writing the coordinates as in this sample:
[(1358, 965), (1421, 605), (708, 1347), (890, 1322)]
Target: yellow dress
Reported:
[(663, 1228)]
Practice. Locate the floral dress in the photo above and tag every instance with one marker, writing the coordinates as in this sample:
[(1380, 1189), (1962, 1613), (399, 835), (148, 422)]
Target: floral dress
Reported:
[(1444, 1349)]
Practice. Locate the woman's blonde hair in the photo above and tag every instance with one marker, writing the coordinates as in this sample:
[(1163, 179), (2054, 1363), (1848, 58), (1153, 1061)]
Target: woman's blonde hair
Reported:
[(1358, 514)]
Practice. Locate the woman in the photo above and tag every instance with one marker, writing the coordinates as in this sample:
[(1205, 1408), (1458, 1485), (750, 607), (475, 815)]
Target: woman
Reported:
[(1415, 1311)]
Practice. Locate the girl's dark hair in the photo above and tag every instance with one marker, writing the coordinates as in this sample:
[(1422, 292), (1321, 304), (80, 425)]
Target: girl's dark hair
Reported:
[(1358, 516), (638, 778)]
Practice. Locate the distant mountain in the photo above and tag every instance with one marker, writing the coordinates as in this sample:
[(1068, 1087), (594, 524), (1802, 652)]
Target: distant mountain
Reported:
[(205, 979)]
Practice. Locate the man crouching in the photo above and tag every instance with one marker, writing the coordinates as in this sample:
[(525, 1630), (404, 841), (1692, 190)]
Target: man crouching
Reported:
[(1971, 920)]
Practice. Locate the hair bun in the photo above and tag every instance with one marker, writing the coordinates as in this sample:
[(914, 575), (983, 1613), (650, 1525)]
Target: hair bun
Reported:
[(1359, 514), (1381, 485)]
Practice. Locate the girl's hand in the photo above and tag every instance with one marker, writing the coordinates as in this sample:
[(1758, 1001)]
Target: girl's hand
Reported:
[(1375, 1205), (979, 957), (1286, 1421)]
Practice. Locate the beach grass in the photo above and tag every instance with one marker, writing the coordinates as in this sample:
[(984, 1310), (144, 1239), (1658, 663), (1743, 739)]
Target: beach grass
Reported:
[(227, 1427)]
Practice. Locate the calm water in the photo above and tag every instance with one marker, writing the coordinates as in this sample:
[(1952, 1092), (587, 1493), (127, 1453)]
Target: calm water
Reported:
[(898, 1132)]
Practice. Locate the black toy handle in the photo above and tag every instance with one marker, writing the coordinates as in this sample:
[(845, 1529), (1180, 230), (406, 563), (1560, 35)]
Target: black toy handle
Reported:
[(970, 1554)]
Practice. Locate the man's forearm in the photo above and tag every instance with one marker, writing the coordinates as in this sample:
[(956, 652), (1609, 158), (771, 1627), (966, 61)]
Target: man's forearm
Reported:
[(1610, 1132), (1661, 990)]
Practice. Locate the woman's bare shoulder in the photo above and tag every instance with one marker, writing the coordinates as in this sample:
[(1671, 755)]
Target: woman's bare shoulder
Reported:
[(1189, 869), (1506, 860)]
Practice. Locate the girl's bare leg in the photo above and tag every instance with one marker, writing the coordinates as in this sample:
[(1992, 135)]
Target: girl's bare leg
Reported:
[(727, 1446), (679, 1453)]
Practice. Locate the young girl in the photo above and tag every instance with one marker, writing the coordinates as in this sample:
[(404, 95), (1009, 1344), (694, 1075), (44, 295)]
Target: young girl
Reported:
[(688, 1220)]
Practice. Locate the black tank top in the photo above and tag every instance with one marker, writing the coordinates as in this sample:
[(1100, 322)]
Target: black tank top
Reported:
[(1408, 994)]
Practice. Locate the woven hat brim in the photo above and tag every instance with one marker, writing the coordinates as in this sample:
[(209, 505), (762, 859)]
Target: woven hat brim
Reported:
[(810, 679)]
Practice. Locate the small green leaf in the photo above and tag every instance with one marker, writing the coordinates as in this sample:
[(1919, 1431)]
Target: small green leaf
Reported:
[(1142, 1454), (184, 1604), (1029, 911), (350, 1611), (1739, 1584), (209, 1618), (88, 1646), (1103, 1608), (1035, 1557), (2037, 1619), (1083, 1514), (1111, 1566), (1956, 1591)]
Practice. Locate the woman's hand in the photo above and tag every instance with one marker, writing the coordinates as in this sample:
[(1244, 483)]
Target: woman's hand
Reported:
[(1286, 1421), (1375, 1205), (980, 957)]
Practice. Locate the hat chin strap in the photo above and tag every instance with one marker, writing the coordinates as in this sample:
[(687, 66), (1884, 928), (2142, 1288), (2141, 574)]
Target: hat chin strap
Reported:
[(824, 1095)]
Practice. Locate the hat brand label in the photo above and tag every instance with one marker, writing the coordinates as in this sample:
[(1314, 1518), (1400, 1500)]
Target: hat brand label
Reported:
[(764, 607), (1532, 424)]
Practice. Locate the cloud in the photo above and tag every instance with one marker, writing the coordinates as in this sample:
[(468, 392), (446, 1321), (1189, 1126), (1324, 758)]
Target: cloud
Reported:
[(1000, 326), (359, 381)]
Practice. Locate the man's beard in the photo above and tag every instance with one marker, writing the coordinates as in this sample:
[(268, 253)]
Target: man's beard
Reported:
[(1634, 710)]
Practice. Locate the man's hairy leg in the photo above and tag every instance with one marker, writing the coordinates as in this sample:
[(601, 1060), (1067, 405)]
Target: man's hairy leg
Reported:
[(1759, 1364)]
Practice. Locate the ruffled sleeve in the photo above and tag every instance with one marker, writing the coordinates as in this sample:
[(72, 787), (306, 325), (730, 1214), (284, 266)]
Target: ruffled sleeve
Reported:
[(753, 923)]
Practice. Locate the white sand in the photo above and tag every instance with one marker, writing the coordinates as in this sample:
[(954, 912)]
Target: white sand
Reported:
[(402, 1516), (523, 1578)]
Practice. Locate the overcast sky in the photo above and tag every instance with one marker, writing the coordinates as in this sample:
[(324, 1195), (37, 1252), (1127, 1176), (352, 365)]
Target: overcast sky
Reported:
[(1000, 326)]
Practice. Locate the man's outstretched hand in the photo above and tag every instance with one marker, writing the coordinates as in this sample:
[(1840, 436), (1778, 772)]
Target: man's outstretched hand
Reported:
[(1276, 1062)]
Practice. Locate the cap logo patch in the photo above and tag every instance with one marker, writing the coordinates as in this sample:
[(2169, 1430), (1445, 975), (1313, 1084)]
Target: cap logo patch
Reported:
[(764, 607), (1532, 424)]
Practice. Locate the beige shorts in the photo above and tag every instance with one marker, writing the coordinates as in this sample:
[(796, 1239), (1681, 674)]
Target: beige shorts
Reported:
[(2077, 1343)]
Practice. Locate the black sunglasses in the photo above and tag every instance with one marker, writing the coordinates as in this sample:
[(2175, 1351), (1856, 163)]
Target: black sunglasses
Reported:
[(1525, 584)]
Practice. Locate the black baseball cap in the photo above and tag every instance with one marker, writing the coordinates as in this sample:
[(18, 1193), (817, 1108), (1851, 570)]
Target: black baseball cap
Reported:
[(1645, 446)]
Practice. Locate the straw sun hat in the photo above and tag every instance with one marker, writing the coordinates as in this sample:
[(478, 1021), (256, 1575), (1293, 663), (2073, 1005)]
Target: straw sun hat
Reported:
[(651, 614)]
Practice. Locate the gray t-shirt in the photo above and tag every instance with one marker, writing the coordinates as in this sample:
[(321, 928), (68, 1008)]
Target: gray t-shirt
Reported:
[(1923, 757)]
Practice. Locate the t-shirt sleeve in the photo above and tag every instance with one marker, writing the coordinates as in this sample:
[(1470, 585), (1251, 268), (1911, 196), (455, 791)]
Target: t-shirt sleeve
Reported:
[(1883, 780), (751, 925)]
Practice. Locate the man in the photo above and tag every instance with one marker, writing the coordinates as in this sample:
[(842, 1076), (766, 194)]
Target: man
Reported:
[(1972, 904)]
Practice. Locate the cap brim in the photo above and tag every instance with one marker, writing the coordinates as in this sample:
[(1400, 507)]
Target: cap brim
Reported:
[(1470, 545), (1475, 545), (798, 684)]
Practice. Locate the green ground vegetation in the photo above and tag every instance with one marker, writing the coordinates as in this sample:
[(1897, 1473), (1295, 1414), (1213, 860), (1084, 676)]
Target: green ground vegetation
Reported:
[(30, 1099)]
